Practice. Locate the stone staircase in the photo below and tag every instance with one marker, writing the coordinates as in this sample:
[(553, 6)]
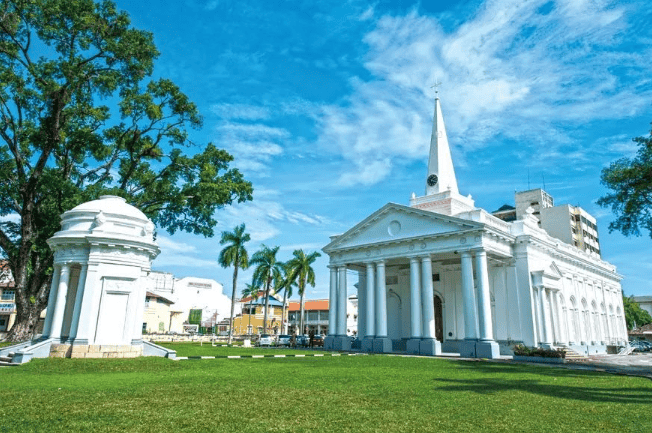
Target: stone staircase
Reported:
[(5, 361), (573, 356)]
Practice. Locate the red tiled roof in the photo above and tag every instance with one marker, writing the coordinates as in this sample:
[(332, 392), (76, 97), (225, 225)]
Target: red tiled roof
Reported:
[(642, 329), (315, 305)]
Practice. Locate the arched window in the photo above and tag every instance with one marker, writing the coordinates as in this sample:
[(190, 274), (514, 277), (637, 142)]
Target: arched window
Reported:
[(563, 325), (612, 321), (619, 321), (595, 322), (586, 319), (575, 319), (605, 326)]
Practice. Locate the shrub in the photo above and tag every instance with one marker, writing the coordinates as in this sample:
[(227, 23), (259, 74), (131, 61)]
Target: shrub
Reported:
[(521, 350)]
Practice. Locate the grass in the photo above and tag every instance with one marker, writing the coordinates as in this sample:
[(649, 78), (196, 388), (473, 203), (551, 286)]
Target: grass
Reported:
[(341, 394), (195, 349), (6, 343)]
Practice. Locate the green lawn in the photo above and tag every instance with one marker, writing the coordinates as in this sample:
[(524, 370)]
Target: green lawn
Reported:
[(195, 349), (339, 394)]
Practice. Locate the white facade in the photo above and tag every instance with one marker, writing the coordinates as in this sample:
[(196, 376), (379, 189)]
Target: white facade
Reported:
[(442, 274), (192, 293)]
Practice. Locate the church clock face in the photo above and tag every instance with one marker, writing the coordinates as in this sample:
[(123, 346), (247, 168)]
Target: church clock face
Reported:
[(432, 180)]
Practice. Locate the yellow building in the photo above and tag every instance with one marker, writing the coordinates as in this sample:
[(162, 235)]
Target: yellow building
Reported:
[(253, 314), (7, 299), (159, 317)]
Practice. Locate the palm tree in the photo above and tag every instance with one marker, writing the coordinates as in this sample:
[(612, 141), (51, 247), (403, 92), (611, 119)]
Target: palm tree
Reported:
[(234, 254), (268, 269), (252, 292), (301, 274), (286, 286)]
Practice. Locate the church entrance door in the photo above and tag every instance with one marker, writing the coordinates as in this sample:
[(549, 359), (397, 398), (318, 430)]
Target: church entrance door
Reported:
[(439, 319)]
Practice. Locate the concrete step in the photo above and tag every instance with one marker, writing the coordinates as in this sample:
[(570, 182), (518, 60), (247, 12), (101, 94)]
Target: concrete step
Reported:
[(6, 358), (572, 355), (8, 364)]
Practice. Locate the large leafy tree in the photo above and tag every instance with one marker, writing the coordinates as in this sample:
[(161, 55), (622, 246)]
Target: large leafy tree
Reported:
[(301, 273), (630, 182), (78, 119), (268, 272), (234, 254), (284, 285), (635, 316)]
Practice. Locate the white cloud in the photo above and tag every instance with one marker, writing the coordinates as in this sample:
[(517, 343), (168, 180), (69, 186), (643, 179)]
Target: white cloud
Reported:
[(176, 253), (513, 63), (241, 111)]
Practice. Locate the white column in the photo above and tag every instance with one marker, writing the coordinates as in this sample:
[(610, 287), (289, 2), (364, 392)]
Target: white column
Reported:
[(49, 315), (60, 303), (341, 301), (74, 324), (381, 301), (362, 304), (88, 312), (428, 299), (484, 297), (559, 334), (371, 305), (468, 296), (415, 298), (332, 304), (545, 316), (140, 292)]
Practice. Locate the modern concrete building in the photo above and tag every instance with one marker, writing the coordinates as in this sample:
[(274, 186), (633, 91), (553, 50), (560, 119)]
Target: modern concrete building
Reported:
[(443, 275), (645, 302)]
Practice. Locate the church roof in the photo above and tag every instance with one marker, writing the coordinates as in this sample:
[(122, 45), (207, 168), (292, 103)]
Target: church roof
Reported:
[(504, 208)]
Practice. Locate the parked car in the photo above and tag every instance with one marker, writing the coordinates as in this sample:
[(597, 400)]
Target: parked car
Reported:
[(318, 341), (284, 340), (265, 340), (302, 341)]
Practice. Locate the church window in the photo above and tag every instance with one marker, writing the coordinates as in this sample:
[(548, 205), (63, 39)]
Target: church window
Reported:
[(8, 295), (435, 277)]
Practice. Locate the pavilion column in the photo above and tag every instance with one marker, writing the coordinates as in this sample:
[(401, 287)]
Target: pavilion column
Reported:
[(60, 302), (428, 298), (559, 337), (332, 304), (49, 315), (484, 297), (78, 301), (341, 301), (371, 305)]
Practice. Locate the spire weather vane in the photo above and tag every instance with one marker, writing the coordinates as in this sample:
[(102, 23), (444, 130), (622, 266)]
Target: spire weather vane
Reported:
[(436, 87)]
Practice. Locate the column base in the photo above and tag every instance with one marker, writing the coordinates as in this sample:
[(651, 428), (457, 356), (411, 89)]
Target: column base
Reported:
[(368, 344), (547, 346), (412, 346), (80, 342), (382, 345), (487, 349), (328, 342), (342, 343), (467, 349), (429, 346)]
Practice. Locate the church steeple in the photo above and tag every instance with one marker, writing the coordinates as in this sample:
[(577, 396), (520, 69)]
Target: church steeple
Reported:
[(441, 173)]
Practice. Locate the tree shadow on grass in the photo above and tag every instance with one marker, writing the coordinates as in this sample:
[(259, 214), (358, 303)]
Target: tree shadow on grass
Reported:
[(518, 382)]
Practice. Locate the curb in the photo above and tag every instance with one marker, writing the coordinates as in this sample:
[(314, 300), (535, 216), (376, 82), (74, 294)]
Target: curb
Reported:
[(302, 355)]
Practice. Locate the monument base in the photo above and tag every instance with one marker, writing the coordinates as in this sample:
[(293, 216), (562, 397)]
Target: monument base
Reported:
[(382, 345), (95, 351), (429, 346), (487, 349), (412, 346), (368, 344), (467, 349)]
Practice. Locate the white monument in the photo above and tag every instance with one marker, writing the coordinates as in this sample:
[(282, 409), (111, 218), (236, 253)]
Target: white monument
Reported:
[(102, 256)]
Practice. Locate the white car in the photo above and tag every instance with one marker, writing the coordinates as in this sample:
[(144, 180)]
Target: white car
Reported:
[(265, 340), (284, 340)]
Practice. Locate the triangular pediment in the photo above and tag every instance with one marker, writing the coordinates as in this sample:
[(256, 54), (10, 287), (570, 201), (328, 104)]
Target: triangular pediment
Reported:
[(394, 222)]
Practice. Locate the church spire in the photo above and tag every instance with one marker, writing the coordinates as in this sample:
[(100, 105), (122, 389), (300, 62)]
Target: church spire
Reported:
[(441, 173)]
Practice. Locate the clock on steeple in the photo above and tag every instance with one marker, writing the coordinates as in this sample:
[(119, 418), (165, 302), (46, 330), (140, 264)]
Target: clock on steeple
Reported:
[(432, 180)]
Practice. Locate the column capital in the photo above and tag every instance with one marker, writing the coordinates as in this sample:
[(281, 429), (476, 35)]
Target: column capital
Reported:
[(466, 253), (379, 262)]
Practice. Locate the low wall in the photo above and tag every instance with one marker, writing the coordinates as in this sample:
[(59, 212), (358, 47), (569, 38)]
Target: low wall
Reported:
[(95, 351)]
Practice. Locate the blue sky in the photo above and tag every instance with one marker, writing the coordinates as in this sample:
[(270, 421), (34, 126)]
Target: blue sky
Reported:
[(327, 108)]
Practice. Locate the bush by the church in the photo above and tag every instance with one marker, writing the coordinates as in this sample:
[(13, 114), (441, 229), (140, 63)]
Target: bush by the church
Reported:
[(521, 350)]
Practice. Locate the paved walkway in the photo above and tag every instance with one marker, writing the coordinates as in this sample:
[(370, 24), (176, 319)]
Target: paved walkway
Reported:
[(638, 364)]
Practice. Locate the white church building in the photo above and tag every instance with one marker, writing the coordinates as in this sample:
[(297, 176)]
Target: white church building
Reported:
[(443, 275)]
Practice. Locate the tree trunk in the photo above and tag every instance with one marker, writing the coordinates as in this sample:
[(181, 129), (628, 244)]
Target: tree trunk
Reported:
[(235, 278), (301, 315), (284, 313), (27, 317), (269, 282)]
